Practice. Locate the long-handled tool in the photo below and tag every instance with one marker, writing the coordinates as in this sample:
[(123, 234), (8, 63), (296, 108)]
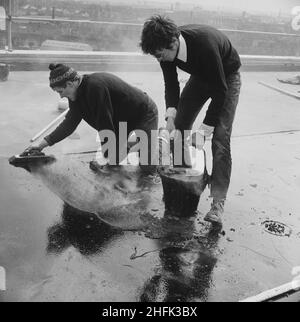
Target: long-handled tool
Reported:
[(21, 159), (276, 293), (49, 126), (285, 92)]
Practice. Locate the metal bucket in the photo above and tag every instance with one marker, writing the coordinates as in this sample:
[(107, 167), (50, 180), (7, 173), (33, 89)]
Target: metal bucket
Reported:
[(182, 189)]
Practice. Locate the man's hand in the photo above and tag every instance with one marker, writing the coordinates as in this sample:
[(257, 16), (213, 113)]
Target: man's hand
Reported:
[(170, 118), (170, 124), (31, 150), (208, 130), (197, 139), (35, 149)]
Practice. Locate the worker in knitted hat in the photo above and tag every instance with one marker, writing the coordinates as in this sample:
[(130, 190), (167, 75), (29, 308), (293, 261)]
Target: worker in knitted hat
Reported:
[(104, 101), (60, 74)]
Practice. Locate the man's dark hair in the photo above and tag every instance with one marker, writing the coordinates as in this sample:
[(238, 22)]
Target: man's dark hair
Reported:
[(158, 33)]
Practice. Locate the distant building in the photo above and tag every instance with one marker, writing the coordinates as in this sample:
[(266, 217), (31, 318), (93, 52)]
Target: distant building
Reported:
[(2, 18), (4, 4)]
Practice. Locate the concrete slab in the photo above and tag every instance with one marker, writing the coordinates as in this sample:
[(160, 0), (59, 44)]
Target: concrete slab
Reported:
[(52, 252)]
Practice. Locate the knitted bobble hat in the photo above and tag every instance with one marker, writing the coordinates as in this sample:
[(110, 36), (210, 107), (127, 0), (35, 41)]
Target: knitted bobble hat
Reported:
[(60, 74)]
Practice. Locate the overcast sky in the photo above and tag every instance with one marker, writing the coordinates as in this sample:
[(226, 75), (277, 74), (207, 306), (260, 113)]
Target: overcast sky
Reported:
[(253, 5), (267, 6)]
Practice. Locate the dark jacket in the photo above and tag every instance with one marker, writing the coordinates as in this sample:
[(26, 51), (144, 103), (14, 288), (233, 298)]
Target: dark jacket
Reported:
[(103, 100), (211, 57)]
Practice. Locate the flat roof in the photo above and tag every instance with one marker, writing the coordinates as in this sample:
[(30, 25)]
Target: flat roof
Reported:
[(243, 261)]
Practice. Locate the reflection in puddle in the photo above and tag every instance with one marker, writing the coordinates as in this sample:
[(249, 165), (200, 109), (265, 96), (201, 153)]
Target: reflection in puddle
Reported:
[(187, 259), (185, 256), (185, 275), (82, 230)]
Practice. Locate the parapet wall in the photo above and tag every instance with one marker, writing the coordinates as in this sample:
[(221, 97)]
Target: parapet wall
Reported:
[(125, 61)]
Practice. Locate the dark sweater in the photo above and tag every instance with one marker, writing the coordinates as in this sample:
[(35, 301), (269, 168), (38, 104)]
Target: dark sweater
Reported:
[(210, 56), (103, 100)]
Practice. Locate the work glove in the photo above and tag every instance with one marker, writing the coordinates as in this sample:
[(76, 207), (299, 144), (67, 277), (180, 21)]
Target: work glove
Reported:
[(199, 137), (170, 118), (176, 138), (170, 126)]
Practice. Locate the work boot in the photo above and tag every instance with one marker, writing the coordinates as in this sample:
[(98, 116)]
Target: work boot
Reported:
[(214, 215)]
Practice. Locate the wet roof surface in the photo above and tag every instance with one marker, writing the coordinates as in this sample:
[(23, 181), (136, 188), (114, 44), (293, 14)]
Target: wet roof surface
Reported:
[(52, 252)]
